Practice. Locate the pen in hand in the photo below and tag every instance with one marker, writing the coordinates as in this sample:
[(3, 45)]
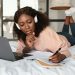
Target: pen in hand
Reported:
[(56, 51)]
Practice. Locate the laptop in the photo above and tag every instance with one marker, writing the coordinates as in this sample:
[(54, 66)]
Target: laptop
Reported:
[(5, 50)]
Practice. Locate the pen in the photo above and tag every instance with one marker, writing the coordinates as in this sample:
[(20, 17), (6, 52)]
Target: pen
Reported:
[(56, 51)]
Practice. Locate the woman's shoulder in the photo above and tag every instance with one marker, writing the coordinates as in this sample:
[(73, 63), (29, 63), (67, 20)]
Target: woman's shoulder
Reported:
[(47, 30)]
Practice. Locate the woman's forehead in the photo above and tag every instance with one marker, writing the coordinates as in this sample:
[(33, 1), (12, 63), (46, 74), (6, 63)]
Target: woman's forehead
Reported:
[(24, 17)]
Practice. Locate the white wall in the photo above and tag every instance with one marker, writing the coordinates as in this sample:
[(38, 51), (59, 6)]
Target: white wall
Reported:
[(42, 5), (53, 14), (59, 14)]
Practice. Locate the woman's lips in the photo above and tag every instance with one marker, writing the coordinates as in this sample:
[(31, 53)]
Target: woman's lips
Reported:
[(28, 32)]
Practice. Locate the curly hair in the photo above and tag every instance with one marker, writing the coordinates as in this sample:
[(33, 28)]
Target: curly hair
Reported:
[(43, 21)]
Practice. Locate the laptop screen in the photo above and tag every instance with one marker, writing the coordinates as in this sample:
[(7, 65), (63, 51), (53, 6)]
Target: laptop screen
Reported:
[(5, 50)]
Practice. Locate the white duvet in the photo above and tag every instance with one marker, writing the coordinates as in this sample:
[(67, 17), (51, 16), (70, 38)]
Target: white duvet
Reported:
[(27, 66)]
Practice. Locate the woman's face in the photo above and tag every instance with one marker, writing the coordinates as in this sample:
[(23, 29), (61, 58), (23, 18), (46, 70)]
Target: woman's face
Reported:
[(26, 24)]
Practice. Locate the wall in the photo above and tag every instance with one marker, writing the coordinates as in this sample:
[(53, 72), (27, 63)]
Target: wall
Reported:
[(53, 14), (42, 5), (59, 14)]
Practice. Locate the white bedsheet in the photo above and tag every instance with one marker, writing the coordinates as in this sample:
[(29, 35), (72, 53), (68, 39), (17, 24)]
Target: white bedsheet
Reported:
[(27, 66)]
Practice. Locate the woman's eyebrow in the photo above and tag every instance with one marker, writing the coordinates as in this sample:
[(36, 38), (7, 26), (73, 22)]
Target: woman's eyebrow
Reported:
[(21, 23)]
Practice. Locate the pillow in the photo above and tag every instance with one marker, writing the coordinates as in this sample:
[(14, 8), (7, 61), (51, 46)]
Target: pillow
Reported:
[(72, 50)]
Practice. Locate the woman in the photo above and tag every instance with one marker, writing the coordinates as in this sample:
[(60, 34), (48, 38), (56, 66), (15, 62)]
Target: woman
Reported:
[(33, 31)]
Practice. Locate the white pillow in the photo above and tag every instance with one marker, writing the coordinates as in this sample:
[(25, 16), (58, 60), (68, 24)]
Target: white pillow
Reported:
[(72, 50)]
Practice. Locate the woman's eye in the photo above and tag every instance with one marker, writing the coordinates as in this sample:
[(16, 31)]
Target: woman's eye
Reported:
[(21, 25), (29, 21)]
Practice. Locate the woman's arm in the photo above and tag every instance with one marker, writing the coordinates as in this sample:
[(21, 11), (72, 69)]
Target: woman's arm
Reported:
[(60, 56), (20, 47), (57, 58)]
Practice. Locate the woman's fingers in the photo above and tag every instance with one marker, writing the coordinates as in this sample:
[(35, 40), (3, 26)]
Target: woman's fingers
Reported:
[(30, 40), (30, 37), (55, 58)]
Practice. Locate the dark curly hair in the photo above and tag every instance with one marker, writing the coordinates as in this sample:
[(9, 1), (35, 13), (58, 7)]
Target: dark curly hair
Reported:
[(43, 21)]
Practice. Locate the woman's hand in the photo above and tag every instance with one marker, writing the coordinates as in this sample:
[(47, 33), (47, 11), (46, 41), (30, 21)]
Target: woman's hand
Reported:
[(57, 58), (30, 40)]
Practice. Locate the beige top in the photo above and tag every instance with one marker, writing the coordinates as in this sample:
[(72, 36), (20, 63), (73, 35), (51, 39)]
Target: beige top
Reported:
[(50, 40)]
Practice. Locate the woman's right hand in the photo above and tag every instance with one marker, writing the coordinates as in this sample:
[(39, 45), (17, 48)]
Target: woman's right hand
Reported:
[(57, 57), (30, 40)]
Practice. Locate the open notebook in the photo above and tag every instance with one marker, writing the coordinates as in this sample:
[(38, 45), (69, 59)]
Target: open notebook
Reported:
[(42, 59), (47, 64)]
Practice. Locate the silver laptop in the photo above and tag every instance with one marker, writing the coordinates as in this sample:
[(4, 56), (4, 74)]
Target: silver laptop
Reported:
[(5, 50)]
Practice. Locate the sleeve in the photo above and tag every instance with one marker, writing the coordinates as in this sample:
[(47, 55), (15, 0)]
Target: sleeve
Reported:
[(64, 44), (65, 48), (52, 41), (65, 51), (20, 46)]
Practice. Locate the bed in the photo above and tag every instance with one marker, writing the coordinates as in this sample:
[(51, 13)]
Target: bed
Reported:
[(31, 65)]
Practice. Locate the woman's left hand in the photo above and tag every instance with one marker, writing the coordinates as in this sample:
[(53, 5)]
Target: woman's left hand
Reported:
[(57, 58)]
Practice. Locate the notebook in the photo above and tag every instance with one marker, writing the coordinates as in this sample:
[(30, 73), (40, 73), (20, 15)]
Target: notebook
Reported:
[(5, 50)]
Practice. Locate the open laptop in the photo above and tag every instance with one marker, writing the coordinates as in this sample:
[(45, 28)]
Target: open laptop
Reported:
[(5, 50)]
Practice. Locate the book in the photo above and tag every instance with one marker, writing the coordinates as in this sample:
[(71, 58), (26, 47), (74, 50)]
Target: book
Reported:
[(47, 64)]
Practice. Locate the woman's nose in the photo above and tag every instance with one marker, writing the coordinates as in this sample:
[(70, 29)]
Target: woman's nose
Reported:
[(27, 26)]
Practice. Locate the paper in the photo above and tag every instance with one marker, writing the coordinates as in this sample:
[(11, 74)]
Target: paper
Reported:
[(39, 55), (47, 63), (42, 59)]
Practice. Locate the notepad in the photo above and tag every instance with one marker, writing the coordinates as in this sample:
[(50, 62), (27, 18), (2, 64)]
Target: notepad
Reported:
[(47, 64), (42, 59)]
